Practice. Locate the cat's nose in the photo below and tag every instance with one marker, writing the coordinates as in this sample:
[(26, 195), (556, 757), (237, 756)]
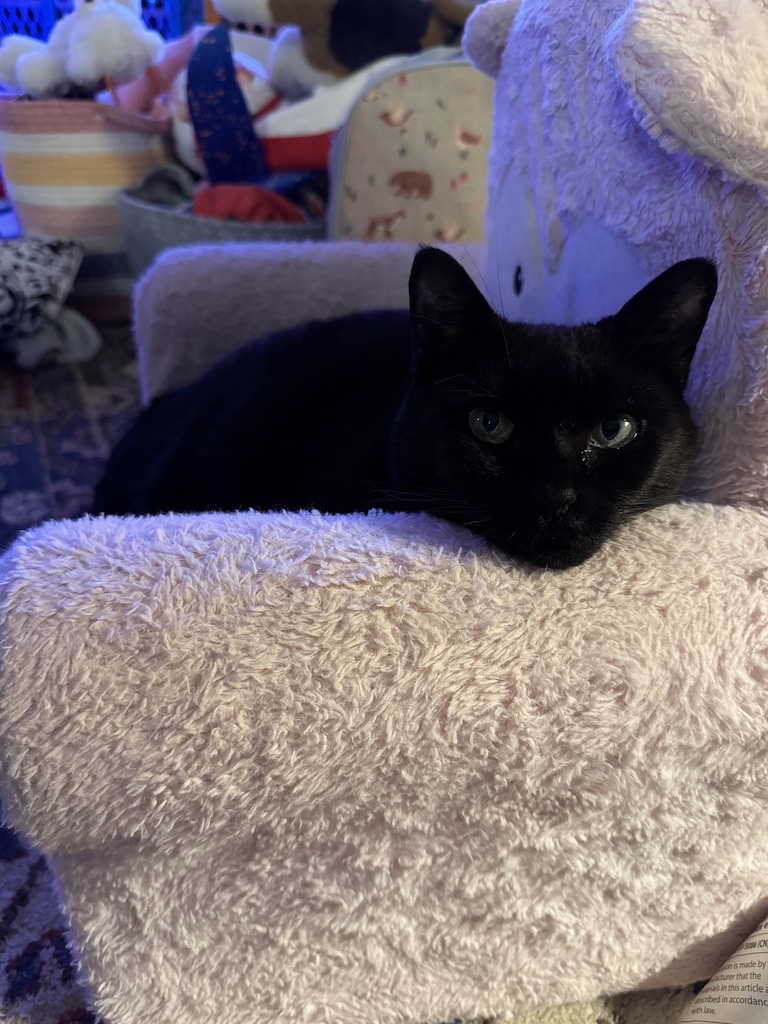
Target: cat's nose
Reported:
[(554, 499)]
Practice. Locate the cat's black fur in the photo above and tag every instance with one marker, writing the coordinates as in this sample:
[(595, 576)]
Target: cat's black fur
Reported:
[(387, 410)]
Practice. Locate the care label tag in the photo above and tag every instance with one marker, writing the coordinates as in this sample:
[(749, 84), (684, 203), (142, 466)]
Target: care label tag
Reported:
[(738, 993)]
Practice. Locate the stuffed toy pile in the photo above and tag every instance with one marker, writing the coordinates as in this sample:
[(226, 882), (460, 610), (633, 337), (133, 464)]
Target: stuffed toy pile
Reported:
[(100, 41)]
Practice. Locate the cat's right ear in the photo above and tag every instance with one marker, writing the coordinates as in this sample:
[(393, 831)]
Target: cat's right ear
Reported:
[(448, 310)]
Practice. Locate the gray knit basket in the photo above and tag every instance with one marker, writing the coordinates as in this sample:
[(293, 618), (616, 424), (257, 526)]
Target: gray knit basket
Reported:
[(152, 227)]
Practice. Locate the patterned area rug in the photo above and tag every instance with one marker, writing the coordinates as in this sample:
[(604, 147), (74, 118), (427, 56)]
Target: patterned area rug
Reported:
[(57, 426), (38, 973)]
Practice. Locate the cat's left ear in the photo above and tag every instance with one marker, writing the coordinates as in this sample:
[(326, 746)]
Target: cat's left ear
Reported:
[(666, 318), (448, 310)]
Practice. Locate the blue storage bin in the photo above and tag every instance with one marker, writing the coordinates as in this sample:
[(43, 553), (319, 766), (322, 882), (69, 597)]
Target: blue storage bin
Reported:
[(171, 18)]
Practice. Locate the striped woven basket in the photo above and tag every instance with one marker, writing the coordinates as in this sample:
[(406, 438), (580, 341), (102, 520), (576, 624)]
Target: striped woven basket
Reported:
[(64, 163)]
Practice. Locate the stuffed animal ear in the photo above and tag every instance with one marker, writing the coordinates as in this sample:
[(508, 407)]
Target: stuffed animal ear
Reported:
[(11, 49), (486, 32), (697, 74)]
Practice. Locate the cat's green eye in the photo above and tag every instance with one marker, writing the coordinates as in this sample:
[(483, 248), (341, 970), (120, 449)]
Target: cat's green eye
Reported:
[(615, 432), (491, 426)]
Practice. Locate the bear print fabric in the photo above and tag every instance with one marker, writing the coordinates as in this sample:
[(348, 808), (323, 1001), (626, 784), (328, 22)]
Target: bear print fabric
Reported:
[(412, 160)]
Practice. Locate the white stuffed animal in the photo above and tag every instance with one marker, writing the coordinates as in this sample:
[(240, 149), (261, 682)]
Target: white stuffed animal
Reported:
[(12, 49), (100, 39), (628, 135)]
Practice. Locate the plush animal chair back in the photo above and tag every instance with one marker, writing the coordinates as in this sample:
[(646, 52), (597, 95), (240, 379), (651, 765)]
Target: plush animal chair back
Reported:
[(630, 134)]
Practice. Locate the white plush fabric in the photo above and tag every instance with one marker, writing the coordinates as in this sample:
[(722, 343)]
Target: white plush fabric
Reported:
[(486, 34), (306, 768), (697, 75), (198, 304)]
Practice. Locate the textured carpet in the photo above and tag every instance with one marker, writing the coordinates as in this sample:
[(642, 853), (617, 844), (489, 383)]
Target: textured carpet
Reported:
[(57, 426), (38, 974)]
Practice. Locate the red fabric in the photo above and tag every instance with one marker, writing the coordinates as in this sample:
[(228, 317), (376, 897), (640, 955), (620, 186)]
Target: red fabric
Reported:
[(273, 104), (297, 152), (244, 202)]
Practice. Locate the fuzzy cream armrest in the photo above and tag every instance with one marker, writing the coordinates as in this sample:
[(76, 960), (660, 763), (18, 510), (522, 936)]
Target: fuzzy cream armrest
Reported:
[(196, 304), (291, 767)]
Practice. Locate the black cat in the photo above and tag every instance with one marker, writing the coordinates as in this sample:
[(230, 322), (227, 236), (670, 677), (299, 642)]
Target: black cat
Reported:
[(542, 439)]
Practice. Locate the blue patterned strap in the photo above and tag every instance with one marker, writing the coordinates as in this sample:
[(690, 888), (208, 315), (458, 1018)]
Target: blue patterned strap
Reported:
[(228, 145)]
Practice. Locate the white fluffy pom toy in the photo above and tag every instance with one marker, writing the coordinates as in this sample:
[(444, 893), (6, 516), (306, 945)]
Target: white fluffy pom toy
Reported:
[(101, 41)]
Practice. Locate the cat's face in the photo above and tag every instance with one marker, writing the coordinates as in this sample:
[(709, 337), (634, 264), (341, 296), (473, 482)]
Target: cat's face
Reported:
[(546, 439)]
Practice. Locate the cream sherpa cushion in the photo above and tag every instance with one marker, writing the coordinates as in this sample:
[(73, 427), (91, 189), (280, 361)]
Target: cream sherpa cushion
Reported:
[(197, 304), (295, 767)]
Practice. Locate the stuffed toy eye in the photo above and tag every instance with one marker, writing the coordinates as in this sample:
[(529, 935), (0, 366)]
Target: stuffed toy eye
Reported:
[(517, 280), (491, 426)]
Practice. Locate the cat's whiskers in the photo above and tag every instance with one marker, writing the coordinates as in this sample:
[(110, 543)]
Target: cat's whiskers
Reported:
[(446, 380), (475, 522), (502, 324), (476, 542), (424, 501), (500, 317), (435, 503), (437, 323), (439, 504), (400, 518), (481, 276), (641, 506)]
